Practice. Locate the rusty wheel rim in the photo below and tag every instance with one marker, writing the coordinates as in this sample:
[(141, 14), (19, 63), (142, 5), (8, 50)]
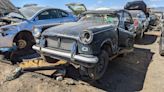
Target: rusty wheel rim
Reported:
[(22, 44)]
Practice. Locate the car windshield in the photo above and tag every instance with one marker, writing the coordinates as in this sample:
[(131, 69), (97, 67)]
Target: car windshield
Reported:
[(28, 12), (100, 18)]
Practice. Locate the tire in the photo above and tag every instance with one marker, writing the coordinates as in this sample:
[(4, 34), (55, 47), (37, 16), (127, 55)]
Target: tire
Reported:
[(24, 43), (96, 72)]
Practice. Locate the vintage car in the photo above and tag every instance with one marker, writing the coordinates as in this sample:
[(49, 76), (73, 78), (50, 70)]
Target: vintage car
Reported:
[(97, 38), (19, 30), (141, 23), (161, 43)]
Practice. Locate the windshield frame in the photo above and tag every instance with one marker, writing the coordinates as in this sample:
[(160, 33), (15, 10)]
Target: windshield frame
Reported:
[(106, 21)]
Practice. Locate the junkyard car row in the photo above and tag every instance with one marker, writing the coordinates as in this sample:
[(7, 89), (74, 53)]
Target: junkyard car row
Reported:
[(90, 40)]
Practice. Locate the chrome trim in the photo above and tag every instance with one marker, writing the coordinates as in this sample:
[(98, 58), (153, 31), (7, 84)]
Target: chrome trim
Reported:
[(90, 59)]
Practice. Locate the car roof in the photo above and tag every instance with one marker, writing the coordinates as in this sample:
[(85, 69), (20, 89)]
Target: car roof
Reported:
[(34, 7), (38, 8)]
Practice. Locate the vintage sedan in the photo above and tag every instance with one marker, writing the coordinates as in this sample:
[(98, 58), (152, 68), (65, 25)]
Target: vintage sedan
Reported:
[(97, 38), (141, 23), (19, 30)]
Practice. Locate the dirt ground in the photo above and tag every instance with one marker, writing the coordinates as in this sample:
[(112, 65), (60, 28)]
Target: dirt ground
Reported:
[(141, 70)]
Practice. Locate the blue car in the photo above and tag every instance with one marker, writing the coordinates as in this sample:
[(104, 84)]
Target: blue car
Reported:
[(18, 29)]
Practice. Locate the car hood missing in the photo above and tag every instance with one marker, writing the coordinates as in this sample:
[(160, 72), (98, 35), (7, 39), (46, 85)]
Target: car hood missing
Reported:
[(73, 29)]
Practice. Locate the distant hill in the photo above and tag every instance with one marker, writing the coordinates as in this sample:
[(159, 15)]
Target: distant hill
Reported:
[(159, 8)]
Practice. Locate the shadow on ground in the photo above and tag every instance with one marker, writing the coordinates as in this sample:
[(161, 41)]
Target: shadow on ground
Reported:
[(146, 40), (125, 74)]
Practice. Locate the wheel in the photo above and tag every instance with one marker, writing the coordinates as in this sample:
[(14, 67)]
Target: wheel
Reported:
[(96, 72), (24, 41)]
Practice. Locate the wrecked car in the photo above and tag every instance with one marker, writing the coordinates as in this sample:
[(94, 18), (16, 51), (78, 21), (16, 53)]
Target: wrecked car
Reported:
[(18, 33), (97, 38), (141, 23), (137, 5)]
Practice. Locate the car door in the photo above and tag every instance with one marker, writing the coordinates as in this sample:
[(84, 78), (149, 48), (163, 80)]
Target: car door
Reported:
[(126, 28)]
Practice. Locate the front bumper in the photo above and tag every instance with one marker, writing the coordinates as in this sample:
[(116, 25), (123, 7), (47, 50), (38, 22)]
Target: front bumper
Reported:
[(90, 59)]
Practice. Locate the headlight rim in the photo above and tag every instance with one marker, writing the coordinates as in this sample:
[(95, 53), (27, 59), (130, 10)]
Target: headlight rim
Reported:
[(81, 39), (38, 32)]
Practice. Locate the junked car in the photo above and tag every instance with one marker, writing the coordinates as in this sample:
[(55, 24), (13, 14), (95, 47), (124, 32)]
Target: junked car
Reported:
[(141, 23), (97, 38), (18, 31)]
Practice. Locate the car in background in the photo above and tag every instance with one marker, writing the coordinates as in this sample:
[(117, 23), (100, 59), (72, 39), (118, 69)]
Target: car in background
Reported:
[(141, 23), (18, 31), (161, 43), (155, 19), (97, 38)]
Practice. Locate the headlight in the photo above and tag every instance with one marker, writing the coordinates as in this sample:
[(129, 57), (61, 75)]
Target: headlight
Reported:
[(37, 31), (86, 37)]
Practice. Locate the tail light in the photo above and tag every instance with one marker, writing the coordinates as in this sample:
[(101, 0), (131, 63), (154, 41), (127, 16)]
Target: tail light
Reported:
[(136, 23)]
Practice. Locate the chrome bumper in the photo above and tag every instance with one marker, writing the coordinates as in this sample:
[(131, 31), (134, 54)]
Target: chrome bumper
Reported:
[(86, 59)]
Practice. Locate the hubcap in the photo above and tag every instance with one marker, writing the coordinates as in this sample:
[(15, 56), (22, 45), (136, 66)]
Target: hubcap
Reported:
[(22, 44)]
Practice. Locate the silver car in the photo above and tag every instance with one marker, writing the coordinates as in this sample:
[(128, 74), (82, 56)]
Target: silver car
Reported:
[(19, 32)]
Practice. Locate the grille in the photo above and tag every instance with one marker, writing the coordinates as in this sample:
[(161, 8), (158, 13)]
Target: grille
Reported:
[(60, 43)]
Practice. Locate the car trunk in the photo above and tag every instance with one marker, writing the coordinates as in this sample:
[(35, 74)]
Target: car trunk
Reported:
[(76, 8)]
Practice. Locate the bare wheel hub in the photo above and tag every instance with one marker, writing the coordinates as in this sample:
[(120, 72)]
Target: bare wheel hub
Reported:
[(22, 44)]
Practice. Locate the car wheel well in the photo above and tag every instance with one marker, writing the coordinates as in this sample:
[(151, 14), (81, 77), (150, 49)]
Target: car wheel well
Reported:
[(108, 47), (25, 32)]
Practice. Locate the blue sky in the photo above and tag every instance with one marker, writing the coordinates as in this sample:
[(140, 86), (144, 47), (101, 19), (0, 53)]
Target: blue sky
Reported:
[(91, 4)]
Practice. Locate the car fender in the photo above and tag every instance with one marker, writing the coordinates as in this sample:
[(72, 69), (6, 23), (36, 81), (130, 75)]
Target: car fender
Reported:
[(109, 42)]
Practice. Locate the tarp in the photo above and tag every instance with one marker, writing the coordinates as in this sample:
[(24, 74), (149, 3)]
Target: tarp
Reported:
[(6, 7), (136, 5)]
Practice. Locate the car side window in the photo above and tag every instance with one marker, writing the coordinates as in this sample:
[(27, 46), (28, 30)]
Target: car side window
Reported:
[(45, 15), (54, 13), (128, 22), (62, 14), (127, 18)]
